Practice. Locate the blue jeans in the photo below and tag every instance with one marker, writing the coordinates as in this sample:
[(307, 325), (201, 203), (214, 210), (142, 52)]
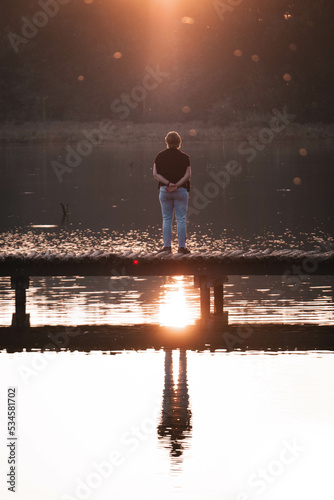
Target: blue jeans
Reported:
[(177, 200)]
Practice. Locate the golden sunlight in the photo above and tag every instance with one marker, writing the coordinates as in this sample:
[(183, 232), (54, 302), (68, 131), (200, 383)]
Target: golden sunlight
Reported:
[(187, 20), (176, 367), (173, 307)]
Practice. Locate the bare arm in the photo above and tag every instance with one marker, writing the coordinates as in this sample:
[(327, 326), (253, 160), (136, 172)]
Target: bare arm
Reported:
[(159, 177), (185, 178)]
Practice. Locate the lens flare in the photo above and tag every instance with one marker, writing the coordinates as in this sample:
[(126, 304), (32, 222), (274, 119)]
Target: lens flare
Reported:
[(188, 20)]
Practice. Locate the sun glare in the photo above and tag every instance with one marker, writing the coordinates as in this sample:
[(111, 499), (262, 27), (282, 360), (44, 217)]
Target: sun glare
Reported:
[(173, 308)]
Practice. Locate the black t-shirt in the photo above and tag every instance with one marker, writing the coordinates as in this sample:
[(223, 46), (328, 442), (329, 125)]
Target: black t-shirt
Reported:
[(172, 164)]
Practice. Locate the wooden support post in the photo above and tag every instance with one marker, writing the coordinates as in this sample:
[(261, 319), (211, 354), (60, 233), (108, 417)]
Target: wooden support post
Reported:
[(220, 315), (217, 282), (219, 299), (205, 297), (204, 282), (20, 319)]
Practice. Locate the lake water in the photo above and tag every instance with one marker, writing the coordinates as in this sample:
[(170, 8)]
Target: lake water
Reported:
[(282, 199), (168, 425), (171, 425)]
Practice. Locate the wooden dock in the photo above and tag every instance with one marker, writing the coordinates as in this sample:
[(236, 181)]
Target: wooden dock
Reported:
[(111, 339), (209, 269)]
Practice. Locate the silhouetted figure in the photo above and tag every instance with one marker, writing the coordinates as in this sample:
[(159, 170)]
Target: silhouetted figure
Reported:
[(173, 171), (175, 423)]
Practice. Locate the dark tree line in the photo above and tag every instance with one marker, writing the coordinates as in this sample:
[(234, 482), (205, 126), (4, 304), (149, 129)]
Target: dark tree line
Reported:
[(223, 62)]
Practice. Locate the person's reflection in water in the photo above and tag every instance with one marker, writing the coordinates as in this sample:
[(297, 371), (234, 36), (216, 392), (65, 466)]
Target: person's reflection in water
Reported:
[(175, 423)]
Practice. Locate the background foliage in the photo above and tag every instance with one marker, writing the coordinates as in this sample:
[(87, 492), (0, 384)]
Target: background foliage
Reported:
[(41, 81)]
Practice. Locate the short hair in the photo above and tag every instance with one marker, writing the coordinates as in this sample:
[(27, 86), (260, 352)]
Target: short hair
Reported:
[(173, 139)]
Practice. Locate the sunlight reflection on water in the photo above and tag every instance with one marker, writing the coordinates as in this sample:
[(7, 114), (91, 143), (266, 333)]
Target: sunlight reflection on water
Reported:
[(170, 301), (206, 421), (187, 425)]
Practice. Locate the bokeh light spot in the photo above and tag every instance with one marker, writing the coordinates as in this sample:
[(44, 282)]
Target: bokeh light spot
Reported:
[(287, 77), (187, 20), (193, 132), (238, 53), (117, 55), (303, 152), (81, 78), (255, 58), (186, 109), (297, 181), (88, 1)]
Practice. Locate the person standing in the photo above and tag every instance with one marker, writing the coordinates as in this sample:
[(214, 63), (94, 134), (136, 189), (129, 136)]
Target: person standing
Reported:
[(173, 171)]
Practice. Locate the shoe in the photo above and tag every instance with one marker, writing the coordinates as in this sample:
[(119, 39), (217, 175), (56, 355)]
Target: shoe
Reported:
[(165, 249), (183, 250)]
